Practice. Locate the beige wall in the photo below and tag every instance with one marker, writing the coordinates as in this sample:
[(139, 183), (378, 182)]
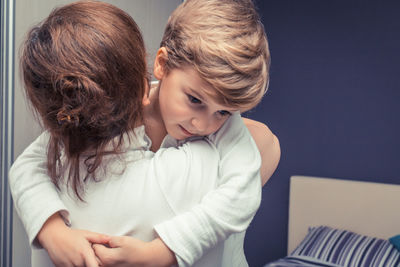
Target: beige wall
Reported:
[(151, 16)]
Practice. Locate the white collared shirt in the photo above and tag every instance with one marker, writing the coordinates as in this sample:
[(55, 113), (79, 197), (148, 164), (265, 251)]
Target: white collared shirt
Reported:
[(193, 195)]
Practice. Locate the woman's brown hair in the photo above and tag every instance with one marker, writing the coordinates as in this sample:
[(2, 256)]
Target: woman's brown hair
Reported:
[(85, 73)]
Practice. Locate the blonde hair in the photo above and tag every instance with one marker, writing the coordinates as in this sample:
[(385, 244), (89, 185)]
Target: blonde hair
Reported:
[(224, 40)]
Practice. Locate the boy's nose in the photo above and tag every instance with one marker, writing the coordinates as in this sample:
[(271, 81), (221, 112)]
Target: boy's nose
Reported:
[(200, 124)]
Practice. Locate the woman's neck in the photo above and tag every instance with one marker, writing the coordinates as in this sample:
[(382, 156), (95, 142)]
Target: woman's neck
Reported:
[(154, 125)]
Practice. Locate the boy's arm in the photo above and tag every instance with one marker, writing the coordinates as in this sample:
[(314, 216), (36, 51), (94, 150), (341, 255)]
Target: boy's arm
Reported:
[(128, 251), (39, 206), (35, 196), (69, 247), (268, 145), (227, 209), (184, 175), (122, 248)]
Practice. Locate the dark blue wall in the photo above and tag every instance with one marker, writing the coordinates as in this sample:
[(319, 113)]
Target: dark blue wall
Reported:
[(334, 102)]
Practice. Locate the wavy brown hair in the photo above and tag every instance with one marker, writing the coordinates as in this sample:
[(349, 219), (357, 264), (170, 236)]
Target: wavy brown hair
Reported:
[(84, 72)]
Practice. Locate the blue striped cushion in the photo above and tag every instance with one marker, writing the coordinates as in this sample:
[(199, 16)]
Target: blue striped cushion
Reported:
[(347, 249), (395, 241)]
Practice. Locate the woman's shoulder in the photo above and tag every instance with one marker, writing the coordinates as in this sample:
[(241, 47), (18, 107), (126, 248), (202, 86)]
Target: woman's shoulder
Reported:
[(268, 145)]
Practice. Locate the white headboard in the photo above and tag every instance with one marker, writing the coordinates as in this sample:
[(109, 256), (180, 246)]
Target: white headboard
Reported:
[(363, 207)]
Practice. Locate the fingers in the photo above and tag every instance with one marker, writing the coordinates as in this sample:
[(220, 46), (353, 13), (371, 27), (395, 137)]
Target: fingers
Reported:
[(90, 258), (93, 237), (115, 241), (91, 261), (104, 254)]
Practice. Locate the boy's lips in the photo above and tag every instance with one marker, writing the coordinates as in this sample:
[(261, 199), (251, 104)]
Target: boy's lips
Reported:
[(186, 132)]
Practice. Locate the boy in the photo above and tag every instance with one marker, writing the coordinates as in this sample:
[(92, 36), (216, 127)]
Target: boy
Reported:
[(195, 54)]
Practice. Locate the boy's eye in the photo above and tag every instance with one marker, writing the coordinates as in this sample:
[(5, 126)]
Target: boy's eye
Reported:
[(224, 113), (194, 100)]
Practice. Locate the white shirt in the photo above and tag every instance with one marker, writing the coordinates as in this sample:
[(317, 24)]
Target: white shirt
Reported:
[(193, 195)]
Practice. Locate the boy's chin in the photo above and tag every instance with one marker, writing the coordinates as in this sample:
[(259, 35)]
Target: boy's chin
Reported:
[(176, 136), (183, 137)]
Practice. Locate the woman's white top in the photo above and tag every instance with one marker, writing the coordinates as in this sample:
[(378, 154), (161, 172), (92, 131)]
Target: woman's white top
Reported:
[(198, 196)]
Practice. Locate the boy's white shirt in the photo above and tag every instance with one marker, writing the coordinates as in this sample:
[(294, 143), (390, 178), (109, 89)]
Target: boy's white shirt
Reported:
[(212, 187)]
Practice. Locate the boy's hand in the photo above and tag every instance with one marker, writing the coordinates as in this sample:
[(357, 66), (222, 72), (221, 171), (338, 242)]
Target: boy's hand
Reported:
[(69, 247), (124, 251)]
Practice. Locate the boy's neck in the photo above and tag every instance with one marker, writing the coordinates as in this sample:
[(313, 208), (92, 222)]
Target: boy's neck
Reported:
[(154, 126)]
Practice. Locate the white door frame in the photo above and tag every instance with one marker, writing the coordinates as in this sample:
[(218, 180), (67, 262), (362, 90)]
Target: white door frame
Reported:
[(7, 127)]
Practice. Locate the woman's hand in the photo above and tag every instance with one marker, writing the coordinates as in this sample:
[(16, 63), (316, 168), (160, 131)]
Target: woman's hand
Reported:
[(124, 251), (69, 247)]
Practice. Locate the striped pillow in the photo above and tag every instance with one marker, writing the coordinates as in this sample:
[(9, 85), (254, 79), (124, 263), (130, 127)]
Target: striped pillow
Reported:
[(347, 249), (395, 241)]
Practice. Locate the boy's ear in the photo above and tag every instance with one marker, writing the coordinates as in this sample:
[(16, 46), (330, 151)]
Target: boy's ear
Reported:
[(159, 63)]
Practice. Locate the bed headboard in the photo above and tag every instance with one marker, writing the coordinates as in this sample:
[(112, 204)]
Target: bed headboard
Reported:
[(363, 207)]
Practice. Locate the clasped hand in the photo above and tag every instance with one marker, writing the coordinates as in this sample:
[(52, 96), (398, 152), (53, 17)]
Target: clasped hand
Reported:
[(80, 248)]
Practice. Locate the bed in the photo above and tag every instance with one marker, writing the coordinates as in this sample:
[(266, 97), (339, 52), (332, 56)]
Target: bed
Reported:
[(342, 223)]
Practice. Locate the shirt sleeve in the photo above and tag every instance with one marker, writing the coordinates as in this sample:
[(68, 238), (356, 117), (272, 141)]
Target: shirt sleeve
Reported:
[(35, 196), (228, 207)]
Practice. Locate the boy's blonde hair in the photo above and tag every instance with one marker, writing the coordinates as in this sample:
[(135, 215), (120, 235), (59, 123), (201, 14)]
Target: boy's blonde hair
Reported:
[(224, 40)]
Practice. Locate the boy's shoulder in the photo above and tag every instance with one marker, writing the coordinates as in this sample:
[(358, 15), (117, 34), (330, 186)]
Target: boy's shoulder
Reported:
[(233, 126), (233, 134)]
